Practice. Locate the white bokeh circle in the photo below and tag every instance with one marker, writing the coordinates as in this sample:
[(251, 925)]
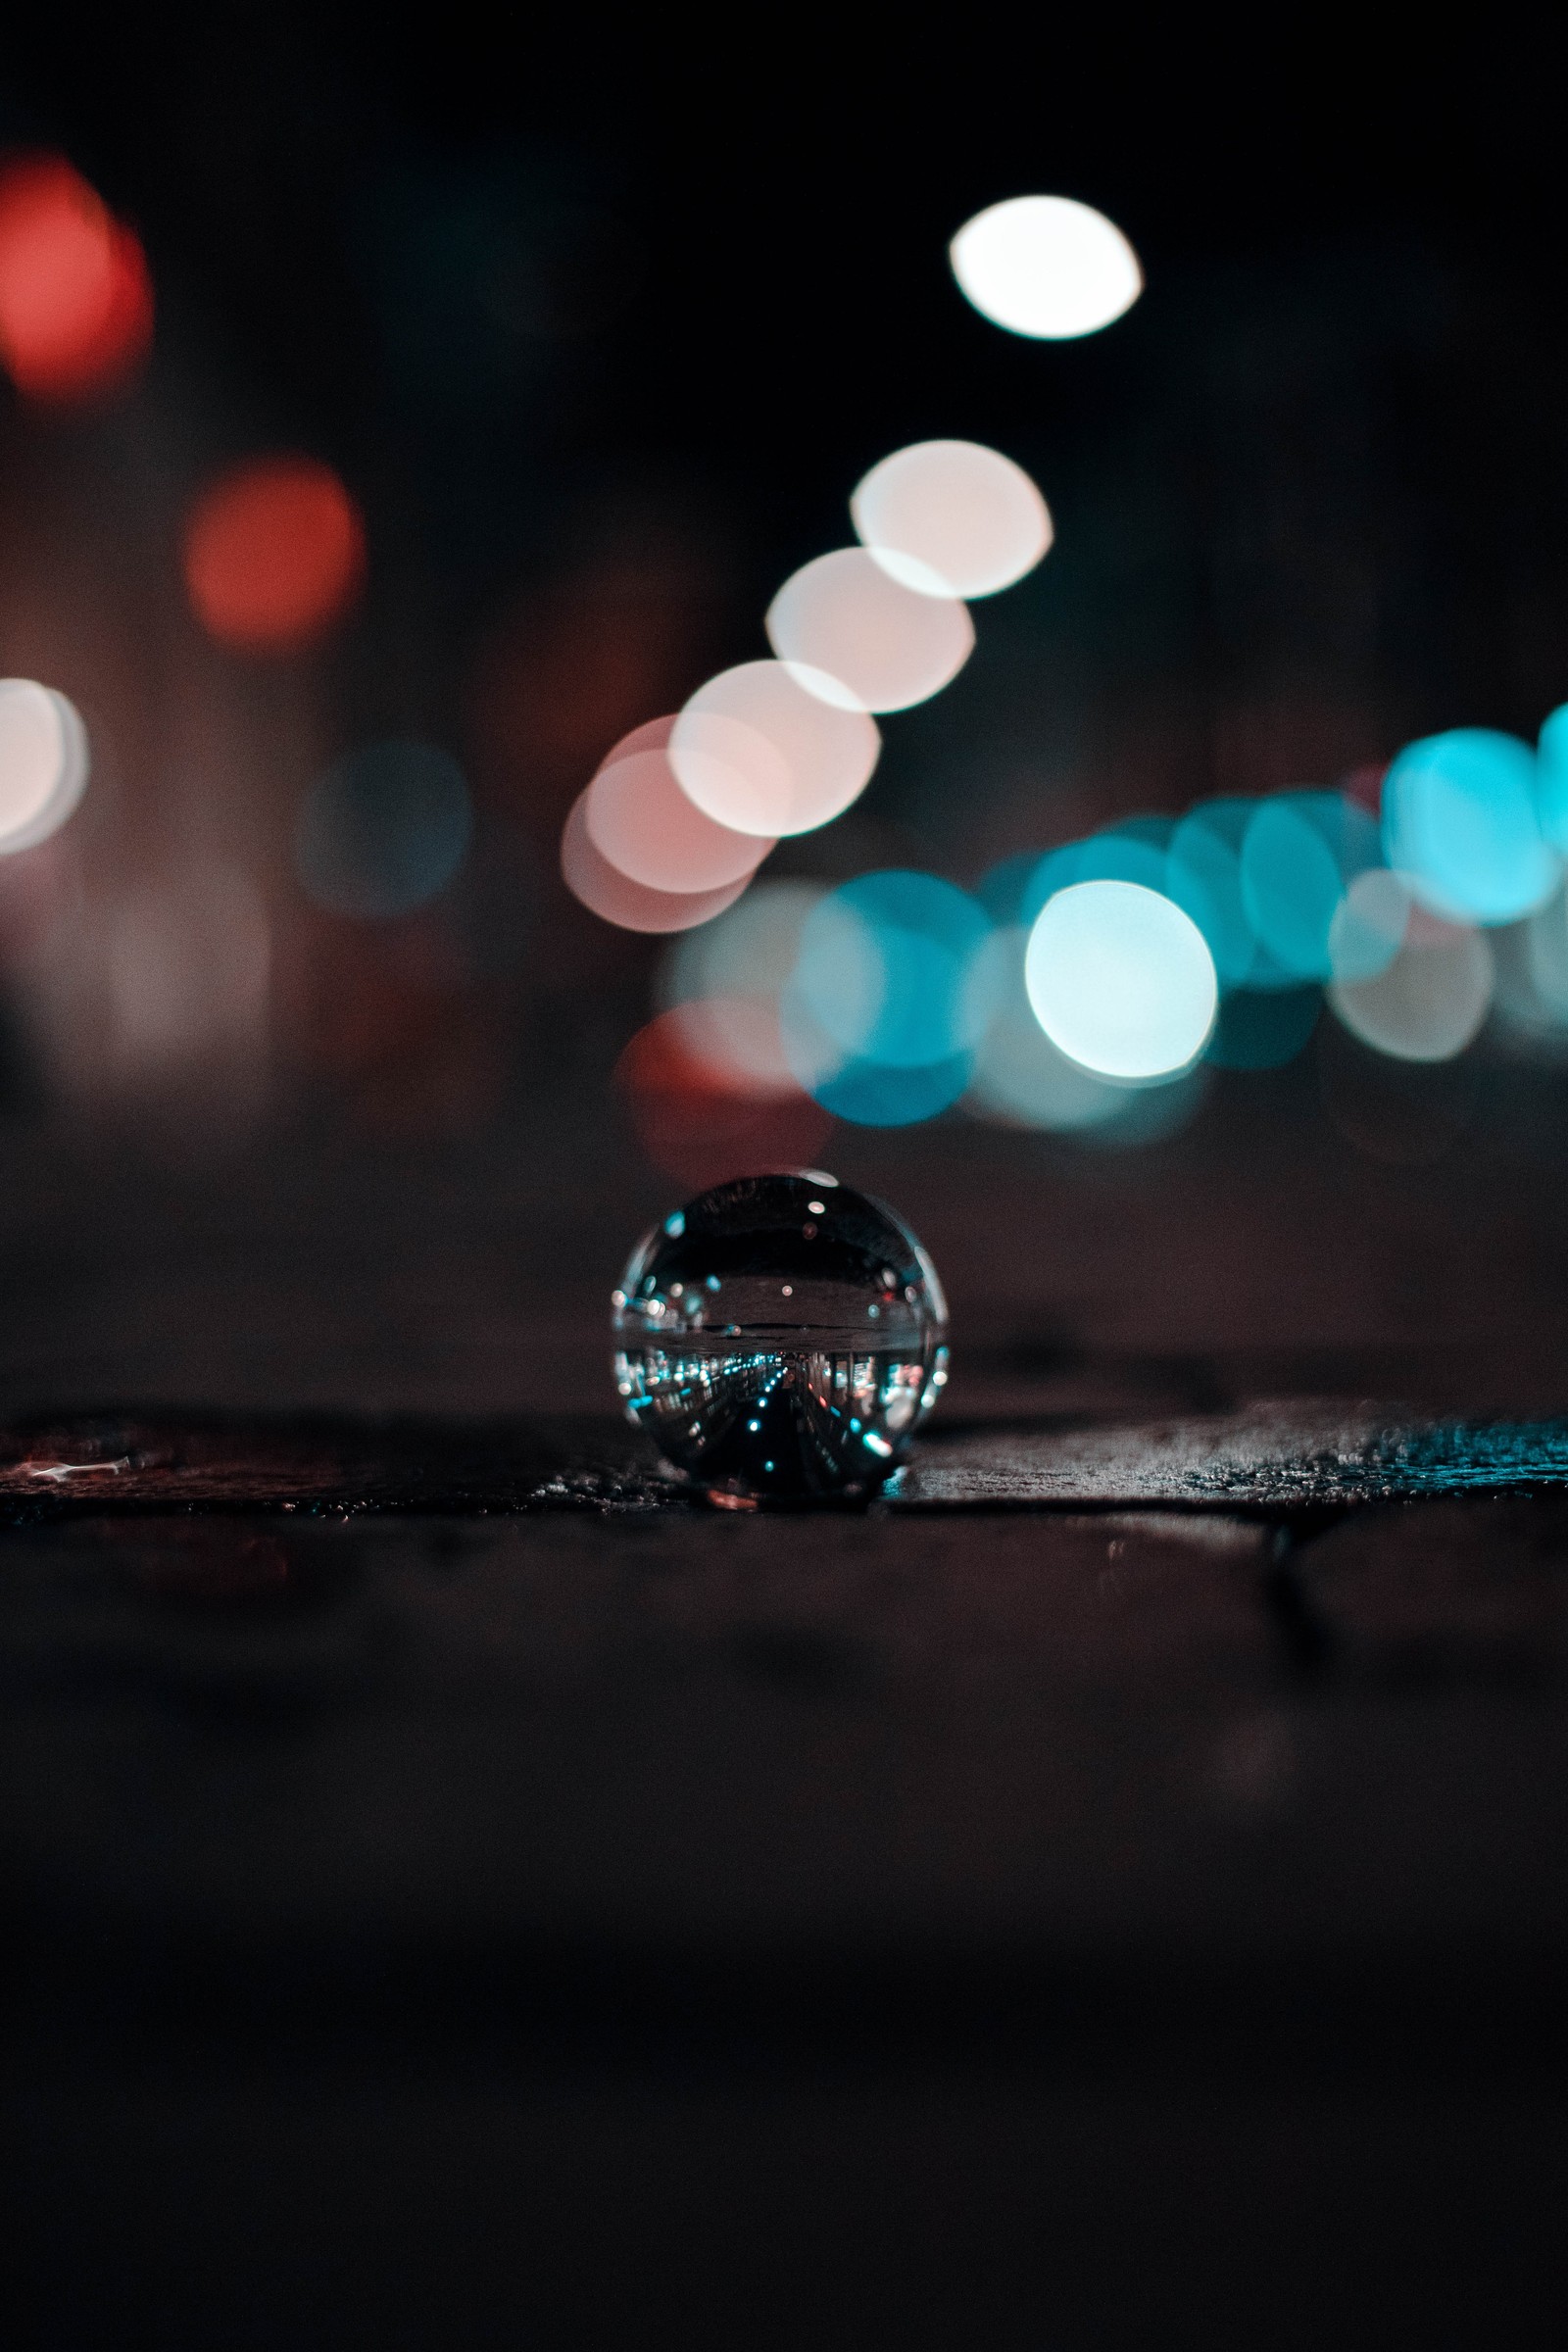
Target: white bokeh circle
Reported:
[(1428, 1001), (617, 899), (639, 818), (1120, 979), (883, 645), (1046, 266), (44, 762), (952, 518), (761, 752)]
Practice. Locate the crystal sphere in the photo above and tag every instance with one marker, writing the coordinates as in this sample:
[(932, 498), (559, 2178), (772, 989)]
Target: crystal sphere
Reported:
[(781, 1337)]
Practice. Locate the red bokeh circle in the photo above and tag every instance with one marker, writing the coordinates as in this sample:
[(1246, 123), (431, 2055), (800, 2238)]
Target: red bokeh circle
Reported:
[(274, 554), (76, 300)]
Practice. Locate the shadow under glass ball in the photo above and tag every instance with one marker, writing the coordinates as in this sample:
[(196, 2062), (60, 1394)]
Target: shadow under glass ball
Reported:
[(781, 1337)]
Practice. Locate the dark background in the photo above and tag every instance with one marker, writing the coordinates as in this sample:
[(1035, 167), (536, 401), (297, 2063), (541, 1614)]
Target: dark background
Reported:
[(602, 326), (581, 1927)]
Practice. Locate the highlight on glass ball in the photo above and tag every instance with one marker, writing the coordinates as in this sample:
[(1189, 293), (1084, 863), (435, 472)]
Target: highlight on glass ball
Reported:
[(780, 1339)]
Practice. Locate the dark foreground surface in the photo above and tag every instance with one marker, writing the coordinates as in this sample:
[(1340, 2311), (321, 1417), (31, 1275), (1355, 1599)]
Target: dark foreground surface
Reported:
[(457, 1891)]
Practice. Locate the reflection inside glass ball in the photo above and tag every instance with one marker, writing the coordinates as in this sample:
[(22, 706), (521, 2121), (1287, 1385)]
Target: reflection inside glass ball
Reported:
[(781, 1337)]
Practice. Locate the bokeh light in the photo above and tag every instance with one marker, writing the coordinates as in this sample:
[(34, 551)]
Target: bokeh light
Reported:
[(44, 760), (1120, 979), (873, 1094), (384, 830), (1370, 925), (952, 518), (760, 753), (652, 735), (694, 1122), (891, 970), (863, 1092), (1204, 875), (1298, 852), (739, 1040), (1460, 820), (639, 818), (1546, 942), (1019, 1077), (884, 646), (1000, 889), (891, 989), (1046, 266), (273, 555), (750, 951), (1530, 983), (1135, 850), (617, 899), (1430, 1000), (728, 978), (76, 300), (1551, 777)]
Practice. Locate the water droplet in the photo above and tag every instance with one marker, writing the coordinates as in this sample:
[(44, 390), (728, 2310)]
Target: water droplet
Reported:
[(763, 1407)]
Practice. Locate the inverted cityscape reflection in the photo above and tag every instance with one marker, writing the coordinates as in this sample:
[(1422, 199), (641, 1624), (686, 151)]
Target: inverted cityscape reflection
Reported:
[(780, 1339)]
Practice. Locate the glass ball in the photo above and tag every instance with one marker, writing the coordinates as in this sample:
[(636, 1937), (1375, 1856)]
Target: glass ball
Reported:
[(781, 1337)]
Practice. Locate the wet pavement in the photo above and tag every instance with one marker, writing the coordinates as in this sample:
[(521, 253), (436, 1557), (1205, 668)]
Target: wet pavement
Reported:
[(1123, 1865)]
